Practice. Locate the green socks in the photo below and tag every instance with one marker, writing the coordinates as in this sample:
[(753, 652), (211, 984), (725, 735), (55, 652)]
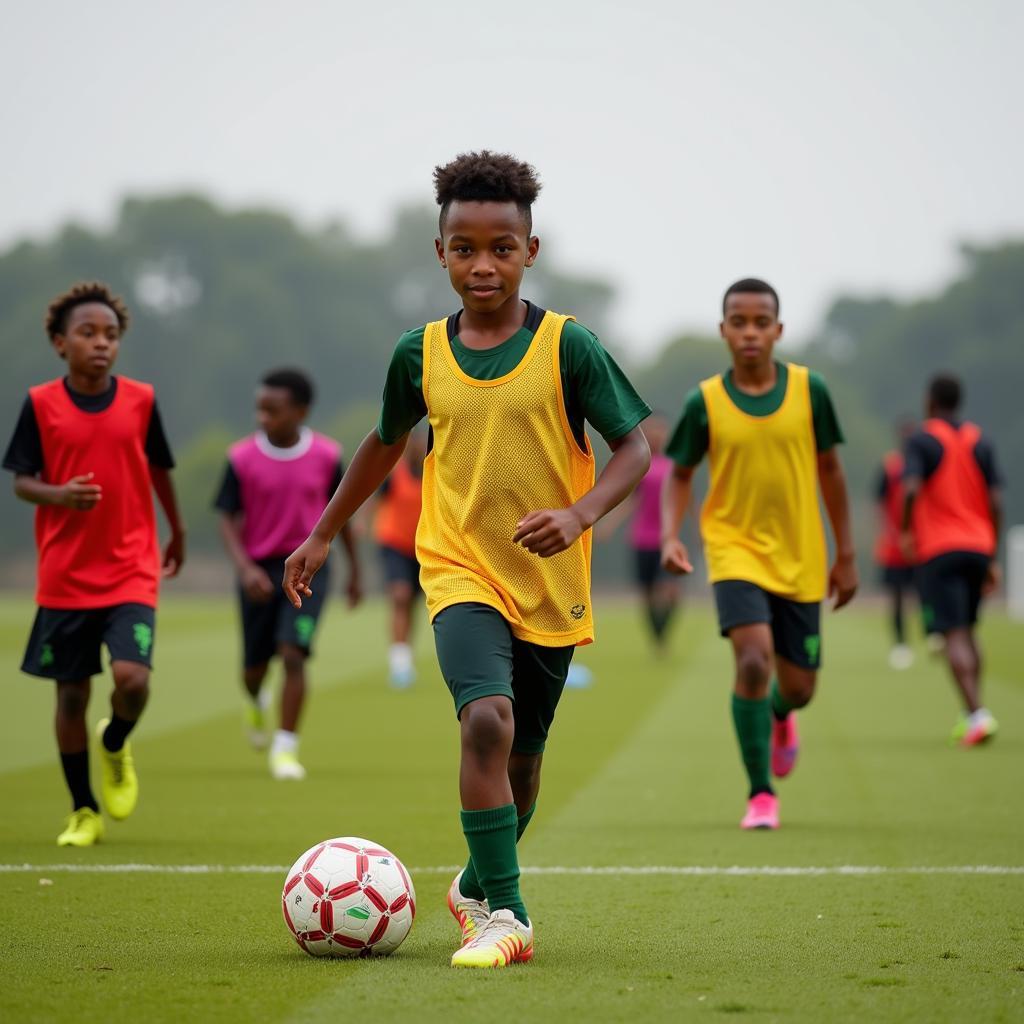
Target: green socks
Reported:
[(491, 836), (753, 721), (470, 883), (780, 706)]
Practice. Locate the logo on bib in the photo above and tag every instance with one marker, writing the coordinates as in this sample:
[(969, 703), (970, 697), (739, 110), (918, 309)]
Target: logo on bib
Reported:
[(577, 611)]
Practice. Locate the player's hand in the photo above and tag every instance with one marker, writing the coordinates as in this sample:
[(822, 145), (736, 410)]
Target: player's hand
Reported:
[(174, 554), (675, 558), (906, 543), (78, 493), (550, 531), (354, 590), (843, 581), (300, 568), (993, 577), (256, 583)]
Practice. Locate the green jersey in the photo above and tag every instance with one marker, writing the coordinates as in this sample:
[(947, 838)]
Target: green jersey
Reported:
[(594, 388), (690, 440)]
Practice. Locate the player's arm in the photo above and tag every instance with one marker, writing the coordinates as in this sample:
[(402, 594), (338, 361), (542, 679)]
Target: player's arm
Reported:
[(354, 590), (79, 493), (842, 580), (676, 495), (552, 530), (369, 467), (174, 551)]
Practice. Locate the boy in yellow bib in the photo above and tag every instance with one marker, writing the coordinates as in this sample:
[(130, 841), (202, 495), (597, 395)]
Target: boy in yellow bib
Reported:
[(770, 433), (509, 498)]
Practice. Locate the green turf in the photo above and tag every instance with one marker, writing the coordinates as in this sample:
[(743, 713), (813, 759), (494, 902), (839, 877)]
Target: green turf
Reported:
[(641, 770)]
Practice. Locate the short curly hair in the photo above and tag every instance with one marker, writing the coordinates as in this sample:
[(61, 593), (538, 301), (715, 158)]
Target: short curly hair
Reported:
[(488, 177), (78, 295)]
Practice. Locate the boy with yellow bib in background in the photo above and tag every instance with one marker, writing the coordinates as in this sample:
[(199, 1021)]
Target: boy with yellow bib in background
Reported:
[(509, 498), (770, 433)]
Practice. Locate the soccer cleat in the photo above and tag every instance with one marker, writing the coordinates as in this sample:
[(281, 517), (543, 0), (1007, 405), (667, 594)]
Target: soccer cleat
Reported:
[(471, 914), (980, 728), (503, 940), (762, 811), (901, 657), (84, 828), (256, 723), (120, 783), (285, 765), (959, 731), (785, 745)]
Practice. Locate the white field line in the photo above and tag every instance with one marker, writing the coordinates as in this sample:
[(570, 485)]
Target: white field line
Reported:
[(741, 871)]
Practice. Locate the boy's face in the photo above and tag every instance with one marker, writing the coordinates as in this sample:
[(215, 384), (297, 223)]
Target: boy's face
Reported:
[(91, 339), (278, 414), (751, 327), (486, 248)]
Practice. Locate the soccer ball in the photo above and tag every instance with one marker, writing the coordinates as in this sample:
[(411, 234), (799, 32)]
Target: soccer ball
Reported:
[(348, 897)]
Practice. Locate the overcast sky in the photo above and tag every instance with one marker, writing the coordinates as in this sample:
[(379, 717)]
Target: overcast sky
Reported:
[(827, 147)]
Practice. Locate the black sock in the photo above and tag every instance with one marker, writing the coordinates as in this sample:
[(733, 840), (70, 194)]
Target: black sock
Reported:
[(116, 733), (76, 774)]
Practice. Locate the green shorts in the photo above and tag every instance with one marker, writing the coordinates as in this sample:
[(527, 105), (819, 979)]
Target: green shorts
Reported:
[(479, 657)]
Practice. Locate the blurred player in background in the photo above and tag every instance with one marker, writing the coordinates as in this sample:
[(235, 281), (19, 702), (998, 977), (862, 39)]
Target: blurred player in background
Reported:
[(273, 488), (770, 433), (896, 569), (89, 450), (951, 524), (659, 588), (394, 529), (509, 499)]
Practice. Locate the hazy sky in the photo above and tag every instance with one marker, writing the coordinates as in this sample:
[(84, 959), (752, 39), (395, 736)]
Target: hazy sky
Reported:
[(846, 145)]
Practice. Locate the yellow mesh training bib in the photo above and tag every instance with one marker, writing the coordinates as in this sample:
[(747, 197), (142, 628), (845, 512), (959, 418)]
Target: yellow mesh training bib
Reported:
[(503, 448), (761, 521)]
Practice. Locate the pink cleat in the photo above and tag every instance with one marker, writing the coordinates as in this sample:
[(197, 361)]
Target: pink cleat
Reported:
[(785, 745), (762, 812)]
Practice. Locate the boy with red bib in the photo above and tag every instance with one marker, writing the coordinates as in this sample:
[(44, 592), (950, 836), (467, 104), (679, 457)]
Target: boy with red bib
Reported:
[(509, 498), (897, 569), (89, 450), (951, 520), (394, 529)]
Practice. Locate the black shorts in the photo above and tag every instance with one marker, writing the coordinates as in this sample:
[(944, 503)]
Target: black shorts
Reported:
[(479, 657), (950, 587), (268, 624), (648, 568), (65, 643), (898, 577), (796, 625), (399, 567)]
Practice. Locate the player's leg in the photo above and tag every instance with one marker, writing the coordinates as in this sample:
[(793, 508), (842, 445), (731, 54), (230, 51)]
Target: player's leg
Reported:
[(897, 584), (259, 630), (284, 750), (665, 599), (744, 617), (128, 632), (64, 645), (401, 593)]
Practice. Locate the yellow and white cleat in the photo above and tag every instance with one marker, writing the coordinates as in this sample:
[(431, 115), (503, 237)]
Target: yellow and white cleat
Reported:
[(503, 940), (255, 719), (120, 783), (284, 765), (471, 914), (84, 828)]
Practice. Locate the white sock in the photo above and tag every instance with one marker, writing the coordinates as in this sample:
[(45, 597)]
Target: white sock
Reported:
[(285, 742), (400, 657), (979, 716)]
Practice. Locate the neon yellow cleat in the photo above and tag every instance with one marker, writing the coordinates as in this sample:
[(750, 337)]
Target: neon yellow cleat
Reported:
[(84, 828), (120, 783), (502, 941), (471, 914), (284, 764)]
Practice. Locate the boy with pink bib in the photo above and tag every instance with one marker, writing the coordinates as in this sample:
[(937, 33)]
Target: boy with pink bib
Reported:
[(274, 486)]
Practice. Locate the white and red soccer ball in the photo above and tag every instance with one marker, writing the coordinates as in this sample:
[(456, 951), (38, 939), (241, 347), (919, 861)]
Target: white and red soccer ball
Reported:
[(348, 897)]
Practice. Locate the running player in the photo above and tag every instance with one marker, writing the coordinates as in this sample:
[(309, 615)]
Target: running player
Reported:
[(89, 450), (951, 524), (273, 488), (770, 433), (509, 499)]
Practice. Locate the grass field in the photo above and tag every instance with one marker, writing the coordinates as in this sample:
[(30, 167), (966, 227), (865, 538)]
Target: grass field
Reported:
[(641, 772)]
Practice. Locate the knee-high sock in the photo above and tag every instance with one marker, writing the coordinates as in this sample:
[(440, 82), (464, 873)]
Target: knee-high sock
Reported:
[(491, 837), (753, 722), (469, 884), (780, 706), (76, 774)]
